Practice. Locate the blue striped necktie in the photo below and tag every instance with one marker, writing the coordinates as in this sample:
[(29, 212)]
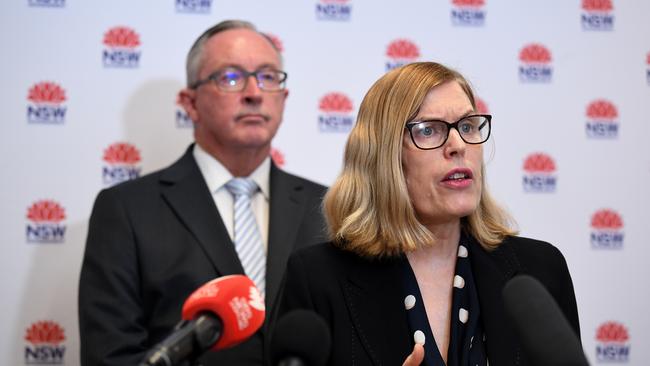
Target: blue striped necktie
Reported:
[(248, 240)]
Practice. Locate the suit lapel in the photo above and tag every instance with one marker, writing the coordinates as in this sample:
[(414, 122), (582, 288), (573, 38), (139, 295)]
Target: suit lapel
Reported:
[(186, 192), (376, 306), (287, 206), (491, 271)]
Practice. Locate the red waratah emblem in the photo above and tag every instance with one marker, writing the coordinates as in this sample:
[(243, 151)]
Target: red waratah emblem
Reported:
[(47, 332), (647, 59), (602, 109), (612, 332), (276, 41), (46, 211), (597, 5), (46, 92), (335, 102), (539, 163), (278, 157), (536, 53), (481, 106), (606, 219), (402, 49), (121, 153), (121, 37), (468, 2)]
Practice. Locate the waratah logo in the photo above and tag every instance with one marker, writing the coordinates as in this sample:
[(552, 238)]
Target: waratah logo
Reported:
[(47, 3), (481, 106), (45, 222), (468, 12), (647, 72), (606, 230), (277, 42), (333, 10), (46, 103), (539, 176), (121, 51), (401, 52), (612, 342), (602, 120), (278, 157), (121, 163), (193, 6), (335, 113), (597, 15), (535, 64), (45, 343)]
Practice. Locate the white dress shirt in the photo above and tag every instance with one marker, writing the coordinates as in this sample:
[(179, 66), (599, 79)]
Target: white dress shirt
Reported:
[(216, 176)]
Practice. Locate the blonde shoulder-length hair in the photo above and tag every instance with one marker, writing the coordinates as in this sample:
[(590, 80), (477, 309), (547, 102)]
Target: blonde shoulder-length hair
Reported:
[(368, 209)]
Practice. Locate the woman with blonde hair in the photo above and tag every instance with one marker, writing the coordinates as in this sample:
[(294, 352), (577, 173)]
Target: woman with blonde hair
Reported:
[(419, 250)]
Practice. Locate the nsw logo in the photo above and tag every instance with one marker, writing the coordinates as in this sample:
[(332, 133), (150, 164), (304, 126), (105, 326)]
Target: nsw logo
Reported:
[(606, 230), (597, 15), (339, 10), (47, 3), (45, 222), (121, 48), (468, 13), (602, 121), (45, 344), (193, 6), (539, 173), (121, 160), (612, 342), (535, 64), (401, 52), (46, 103), (181, 117), (335, 113)]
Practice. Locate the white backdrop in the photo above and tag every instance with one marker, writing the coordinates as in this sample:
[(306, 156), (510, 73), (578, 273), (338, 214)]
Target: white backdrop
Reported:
[(79, 115)]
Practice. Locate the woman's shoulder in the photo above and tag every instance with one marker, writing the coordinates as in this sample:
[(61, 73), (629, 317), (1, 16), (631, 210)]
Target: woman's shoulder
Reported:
[(528, 247), (536, 256)]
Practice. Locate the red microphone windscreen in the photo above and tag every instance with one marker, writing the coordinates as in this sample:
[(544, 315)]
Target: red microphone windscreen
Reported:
[(235, 300)]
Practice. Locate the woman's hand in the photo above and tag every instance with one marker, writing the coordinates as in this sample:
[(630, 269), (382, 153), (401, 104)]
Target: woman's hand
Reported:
[(416, 357)]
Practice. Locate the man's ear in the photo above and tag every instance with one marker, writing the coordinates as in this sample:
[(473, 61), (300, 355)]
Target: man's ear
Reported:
[(187, 99)]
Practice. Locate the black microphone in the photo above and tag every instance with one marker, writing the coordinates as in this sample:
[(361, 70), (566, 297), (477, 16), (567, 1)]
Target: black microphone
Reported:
[(300, 338), (545, 333)]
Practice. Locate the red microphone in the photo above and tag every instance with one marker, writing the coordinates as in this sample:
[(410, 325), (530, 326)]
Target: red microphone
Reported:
[(220, 314)]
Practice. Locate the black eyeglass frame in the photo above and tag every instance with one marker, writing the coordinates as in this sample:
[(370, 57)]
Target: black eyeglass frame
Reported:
[(246, 75), (488, 117)]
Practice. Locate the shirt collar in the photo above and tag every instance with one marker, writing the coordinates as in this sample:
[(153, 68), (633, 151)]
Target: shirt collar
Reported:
[(216, 175)]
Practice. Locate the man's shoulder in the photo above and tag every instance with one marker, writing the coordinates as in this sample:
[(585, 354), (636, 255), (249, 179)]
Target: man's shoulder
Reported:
[(305, 183)]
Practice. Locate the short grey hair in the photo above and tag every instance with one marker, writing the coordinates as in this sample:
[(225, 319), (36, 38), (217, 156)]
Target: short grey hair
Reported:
[(194, 56)]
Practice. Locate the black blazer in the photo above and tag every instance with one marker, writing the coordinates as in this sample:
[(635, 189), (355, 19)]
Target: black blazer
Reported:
[(154, 240), (362, 302)]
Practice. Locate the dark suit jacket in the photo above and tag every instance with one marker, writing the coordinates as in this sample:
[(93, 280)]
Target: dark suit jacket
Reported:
[(362, 299), (154, 240)]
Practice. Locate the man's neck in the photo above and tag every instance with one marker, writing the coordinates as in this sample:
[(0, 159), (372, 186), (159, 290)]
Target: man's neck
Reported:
[(240, 162)]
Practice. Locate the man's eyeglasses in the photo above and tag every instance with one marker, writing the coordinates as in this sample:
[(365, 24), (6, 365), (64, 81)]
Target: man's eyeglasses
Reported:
[(235, 79), (431, 134)]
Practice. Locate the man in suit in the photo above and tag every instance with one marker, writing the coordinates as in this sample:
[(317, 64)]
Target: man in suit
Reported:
[(153, 241)]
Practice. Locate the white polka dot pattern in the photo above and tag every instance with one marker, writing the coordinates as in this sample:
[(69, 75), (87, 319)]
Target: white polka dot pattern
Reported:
[(419, 337), (462, 251), (459, 282), (463, 315), (409, 302)]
